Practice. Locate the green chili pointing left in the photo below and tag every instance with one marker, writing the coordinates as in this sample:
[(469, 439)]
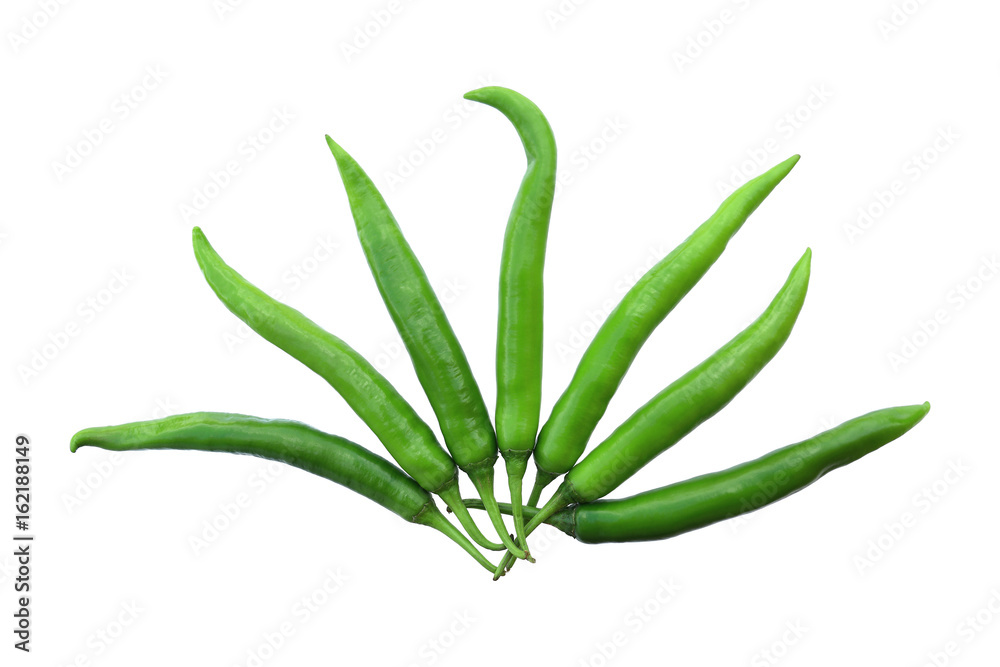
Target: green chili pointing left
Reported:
[(337, 459), (437, 356), (405, 435), (519, 318)]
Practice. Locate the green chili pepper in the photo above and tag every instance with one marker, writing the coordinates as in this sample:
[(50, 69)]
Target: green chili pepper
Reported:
[(564, 436), (437, 356), (519, 322), (701, 501), (678, 409), (294, 443), (407, 438), (447, 379)]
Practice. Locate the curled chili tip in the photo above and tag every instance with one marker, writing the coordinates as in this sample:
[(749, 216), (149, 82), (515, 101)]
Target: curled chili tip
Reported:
[(531, 125), (79, 440)]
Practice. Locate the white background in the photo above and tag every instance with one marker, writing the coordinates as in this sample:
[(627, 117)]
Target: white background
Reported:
[(861, 98)]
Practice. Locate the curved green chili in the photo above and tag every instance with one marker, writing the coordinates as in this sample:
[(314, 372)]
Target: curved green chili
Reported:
[(679, 508), (686, 403), (407, 438), (437, 356), (294, 443), (564, 435), (519, 319)]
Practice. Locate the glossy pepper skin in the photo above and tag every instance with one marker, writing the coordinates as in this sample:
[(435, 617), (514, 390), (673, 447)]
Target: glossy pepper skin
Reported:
[(682, 406), (679, 508), (334, 458), (693, 398), (576, 413), (519, 319), (407, 438), (437, 356)]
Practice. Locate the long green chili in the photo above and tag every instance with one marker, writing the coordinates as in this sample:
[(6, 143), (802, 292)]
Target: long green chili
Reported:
[(519, 320), (337, 459), (437, 356)]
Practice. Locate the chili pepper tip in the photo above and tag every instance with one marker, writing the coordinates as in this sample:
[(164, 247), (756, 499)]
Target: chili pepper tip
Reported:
[(335, 147)]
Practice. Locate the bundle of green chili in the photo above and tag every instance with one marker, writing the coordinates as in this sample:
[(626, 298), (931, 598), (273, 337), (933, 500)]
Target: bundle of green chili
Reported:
[(471, 444)]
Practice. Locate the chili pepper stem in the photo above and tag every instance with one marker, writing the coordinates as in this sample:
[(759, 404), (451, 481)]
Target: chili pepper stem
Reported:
[(517, 463), (436, 520), (482, 479), (563, 498), (542, 479), (453, 500), (566, 523)]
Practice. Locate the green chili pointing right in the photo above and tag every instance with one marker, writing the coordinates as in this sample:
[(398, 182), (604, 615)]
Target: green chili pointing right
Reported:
[(519, 319), (616, 344), (681, 507), (437, 356), (682, 406)]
